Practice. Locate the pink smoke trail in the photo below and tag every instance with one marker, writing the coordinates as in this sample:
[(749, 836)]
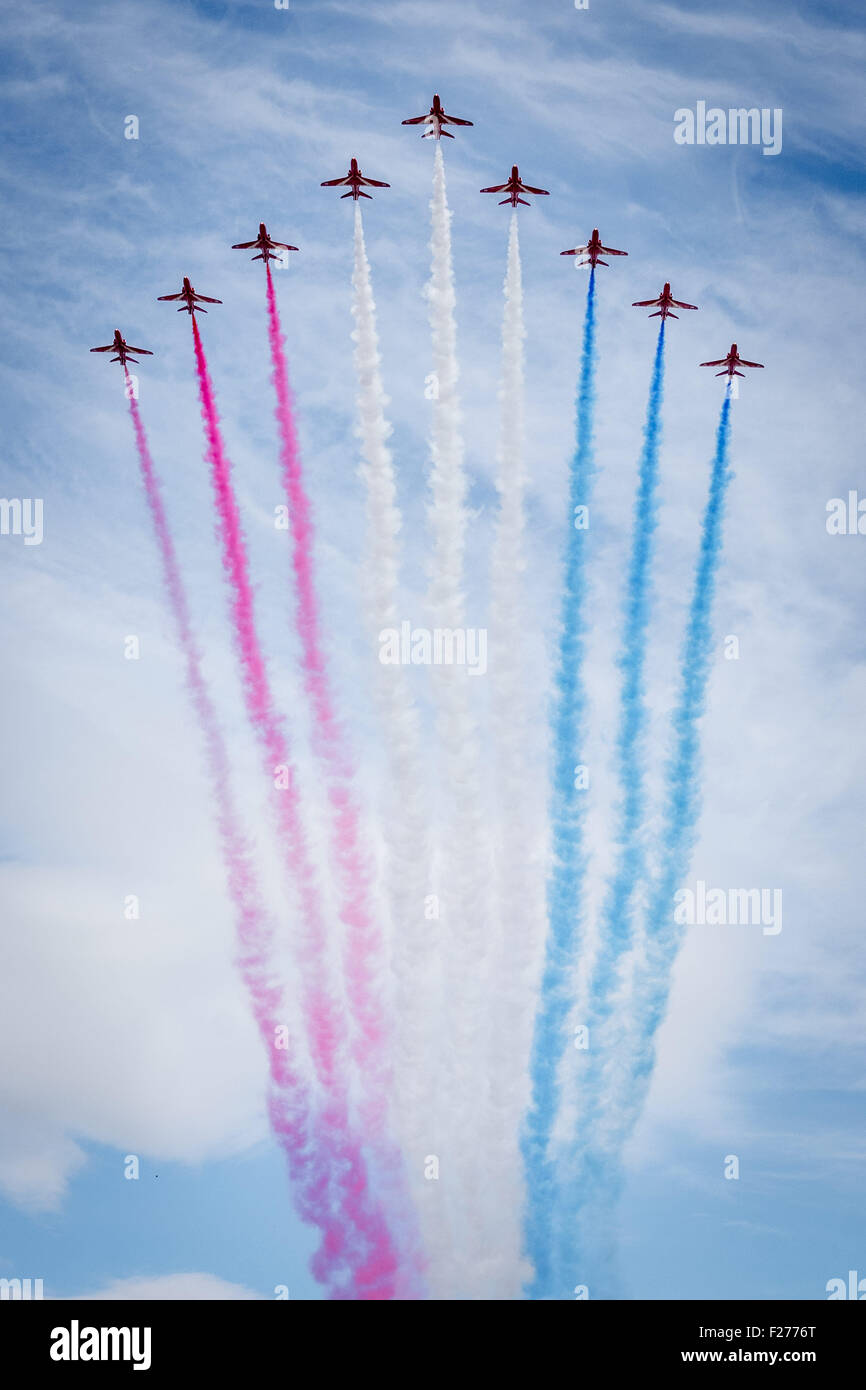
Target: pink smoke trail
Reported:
[(363, 943), (376, 1269), (309, 1160), (364, 947)]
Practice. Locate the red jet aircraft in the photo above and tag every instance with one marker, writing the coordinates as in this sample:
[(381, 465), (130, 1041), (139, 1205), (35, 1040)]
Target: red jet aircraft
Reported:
[(665, 303), (731, 362), (436, 120), (191, 300), (353, 181), (593, 250), (265, 245), (123, 349), (513, 188)]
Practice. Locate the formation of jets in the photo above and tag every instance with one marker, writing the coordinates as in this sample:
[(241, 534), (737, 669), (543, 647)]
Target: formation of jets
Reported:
[(434, 123)]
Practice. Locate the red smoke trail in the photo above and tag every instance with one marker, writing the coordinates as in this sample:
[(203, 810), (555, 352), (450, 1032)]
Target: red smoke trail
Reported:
[(289, 1101), (364, 948), (363, 951), (363, 941), (375, 1266)]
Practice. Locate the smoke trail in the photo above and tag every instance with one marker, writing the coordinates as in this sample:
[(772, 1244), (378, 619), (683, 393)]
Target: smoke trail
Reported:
[(464, 844), (375, 1275), (363, 949), (309, 1153), (407, 866), (617, 920), (519, 893), (630, 1077), (363, 946), (663, 934), (569, 856)]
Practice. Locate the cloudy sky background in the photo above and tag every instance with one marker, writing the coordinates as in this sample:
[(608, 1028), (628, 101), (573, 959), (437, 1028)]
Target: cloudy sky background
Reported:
[(133, 1037)]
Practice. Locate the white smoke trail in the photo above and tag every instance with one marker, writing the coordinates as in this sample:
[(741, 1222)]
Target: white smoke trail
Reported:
[(464, 845), (407, 866), (519, 875)]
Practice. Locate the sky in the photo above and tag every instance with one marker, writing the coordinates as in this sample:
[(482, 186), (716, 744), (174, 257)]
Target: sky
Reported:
[(133, 1037)]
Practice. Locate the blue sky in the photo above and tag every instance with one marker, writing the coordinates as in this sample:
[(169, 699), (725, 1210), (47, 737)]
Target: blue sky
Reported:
[(127, 1038)]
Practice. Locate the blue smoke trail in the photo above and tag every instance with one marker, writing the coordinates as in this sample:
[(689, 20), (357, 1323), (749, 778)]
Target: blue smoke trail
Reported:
[(617, 918), (683, 770), (569, 857), (662, 936)]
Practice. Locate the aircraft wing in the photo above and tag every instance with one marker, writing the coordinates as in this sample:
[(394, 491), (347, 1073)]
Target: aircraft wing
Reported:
[(169, 296), (455, 120), (644, 303), (680, 305), (207, 299), (374, 183), (244, 245), (145, 352), (108, 348), (722, 362), (335, 183), (578, 251), (744, 363), (527, 188), (609, 251), (416, 120), (496, 188)]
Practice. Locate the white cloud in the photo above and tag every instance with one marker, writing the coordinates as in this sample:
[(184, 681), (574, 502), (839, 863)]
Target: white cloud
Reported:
[(172, 1287)]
